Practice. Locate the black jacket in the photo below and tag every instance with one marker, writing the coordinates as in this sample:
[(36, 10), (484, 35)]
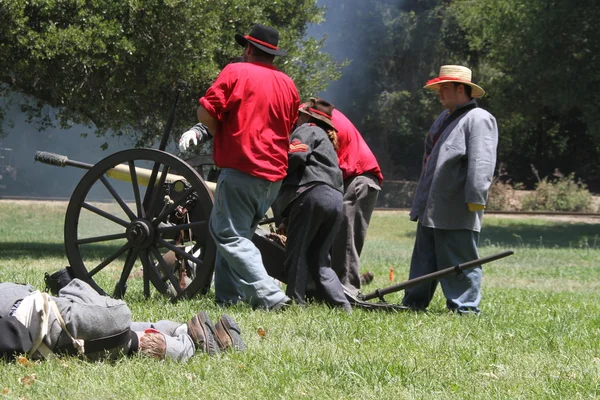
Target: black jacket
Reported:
[(312, 160), (14, 338)]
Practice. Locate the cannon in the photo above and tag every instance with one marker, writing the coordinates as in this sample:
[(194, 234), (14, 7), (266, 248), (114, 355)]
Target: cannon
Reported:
[(165, 223), (156, 215)]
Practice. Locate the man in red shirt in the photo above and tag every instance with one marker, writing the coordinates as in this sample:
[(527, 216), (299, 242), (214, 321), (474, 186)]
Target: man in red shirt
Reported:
[(362, 180), (250, 110)]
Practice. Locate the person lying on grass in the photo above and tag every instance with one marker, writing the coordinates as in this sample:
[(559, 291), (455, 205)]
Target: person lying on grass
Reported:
[(81, 321)]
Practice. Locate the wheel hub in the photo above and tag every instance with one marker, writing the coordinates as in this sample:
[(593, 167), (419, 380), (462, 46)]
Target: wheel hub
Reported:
[(140, 233)]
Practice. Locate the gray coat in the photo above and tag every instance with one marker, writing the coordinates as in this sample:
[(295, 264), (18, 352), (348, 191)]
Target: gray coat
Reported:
[(87, 314), (458, 171), (312, 160)]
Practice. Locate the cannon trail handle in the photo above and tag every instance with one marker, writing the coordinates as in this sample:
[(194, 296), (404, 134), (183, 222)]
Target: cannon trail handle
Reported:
[(59, 160), (435, 275)]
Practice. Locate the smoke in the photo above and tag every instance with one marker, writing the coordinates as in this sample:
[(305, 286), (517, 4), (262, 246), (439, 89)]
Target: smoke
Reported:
[(24, 138), (352, 29), (339, 15)]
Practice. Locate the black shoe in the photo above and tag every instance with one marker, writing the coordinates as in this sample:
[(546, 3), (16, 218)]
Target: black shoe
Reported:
[(202, 332)]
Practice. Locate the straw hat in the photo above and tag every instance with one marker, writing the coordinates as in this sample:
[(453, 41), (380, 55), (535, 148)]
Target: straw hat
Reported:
[(262, 37), (455, 73), (319, 109)]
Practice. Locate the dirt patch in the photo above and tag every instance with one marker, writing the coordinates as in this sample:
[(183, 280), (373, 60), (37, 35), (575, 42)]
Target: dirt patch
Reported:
[(547, 284), (46, 203), (559, 218)]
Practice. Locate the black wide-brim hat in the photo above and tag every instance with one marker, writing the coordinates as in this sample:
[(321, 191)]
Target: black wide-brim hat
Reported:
[(263, 37)]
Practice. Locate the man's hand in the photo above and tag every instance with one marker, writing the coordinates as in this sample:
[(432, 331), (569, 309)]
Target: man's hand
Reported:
[(187, 139), (198, 134), (475, 207)]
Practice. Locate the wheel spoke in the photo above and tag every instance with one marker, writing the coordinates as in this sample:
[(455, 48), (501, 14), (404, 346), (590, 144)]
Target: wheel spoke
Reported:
[(104, 238), (136, 190), (191, 225), (129, 263), (150, 195), (173, 206), (165, 268), (150, 270), (108, 260), (104, 214), (118, 198), (151, 182), (181, 252)]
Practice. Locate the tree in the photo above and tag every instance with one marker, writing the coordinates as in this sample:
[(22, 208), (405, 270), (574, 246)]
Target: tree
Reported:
[(538, 60), (113, 65)]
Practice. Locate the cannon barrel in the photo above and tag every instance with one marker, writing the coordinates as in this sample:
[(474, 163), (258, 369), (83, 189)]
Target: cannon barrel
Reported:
[(435, 275), (119, 172)]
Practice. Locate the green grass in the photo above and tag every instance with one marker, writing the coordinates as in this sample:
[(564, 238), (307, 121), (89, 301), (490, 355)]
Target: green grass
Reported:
[(537, 336)]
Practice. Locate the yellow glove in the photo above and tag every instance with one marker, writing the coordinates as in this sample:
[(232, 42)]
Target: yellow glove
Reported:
[(475, 207)]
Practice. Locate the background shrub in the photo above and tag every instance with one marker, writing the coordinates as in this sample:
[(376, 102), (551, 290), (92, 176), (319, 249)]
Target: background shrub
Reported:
[(562, 194), (502, 197)]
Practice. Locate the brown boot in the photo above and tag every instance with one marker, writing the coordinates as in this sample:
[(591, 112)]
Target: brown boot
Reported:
[(228, 334), (366, 278), (202, 332)]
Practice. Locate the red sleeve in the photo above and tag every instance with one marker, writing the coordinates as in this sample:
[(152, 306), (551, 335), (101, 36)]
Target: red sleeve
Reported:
[(217, 96)]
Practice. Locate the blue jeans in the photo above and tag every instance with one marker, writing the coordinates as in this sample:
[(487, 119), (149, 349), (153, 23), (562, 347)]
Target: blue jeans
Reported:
[(241, 201), (437, 249)]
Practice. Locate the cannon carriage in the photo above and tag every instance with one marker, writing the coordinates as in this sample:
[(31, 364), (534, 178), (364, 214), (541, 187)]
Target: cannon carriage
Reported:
[(156, 217)]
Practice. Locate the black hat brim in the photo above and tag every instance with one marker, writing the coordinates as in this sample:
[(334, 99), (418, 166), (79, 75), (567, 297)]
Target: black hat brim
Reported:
[(242, 41)]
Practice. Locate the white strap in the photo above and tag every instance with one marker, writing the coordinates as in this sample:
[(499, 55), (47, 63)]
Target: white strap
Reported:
[(78, 343)]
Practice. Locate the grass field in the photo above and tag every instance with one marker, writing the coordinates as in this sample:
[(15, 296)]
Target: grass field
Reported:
[(538, 335)]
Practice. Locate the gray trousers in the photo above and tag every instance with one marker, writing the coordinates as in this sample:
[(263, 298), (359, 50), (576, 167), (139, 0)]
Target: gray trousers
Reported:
[(437, 249), (360, 197), (179, 344), (314, 218)]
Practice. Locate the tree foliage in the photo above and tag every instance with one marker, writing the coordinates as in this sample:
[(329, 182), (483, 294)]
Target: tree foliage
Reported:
[(114, 65), (538, 60)]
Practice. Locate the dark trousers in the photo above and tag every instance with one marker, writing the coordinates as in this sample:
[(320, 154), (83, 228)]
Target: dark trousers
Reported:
[(313, 221)]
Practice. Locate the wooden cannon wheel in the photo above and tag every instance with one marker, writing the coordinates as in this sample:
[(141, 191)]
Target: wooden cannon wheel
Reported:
[(150, 220)]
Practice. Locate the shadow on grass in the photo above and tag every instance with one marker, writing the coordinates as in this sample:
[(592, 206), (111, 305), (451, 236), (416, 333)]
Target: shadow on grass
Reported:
[(566, 235), (11, 250)]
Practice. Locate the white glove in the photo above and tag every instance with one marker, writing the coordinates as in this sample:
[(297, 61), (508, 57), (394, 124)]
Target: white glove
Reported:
[(186, 138)]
